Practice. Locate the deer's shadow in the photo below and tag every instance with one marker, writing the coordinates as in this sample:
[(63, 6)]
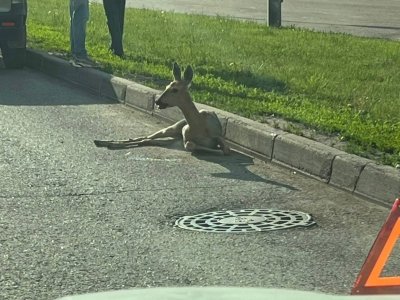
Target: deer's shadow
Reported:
[(236, 163), (237, 166)]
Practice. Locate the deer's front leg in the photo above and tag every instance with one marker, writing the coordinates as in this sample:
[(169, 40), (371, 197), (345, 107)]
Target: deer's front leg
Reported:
[(173, 131), (100, 143)]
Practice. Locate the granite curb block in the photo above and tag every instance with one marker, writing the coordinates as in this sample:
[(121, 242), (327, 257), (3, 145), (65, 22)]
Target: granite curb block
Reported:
[(140, 96), (114, 88), (346, 171), (305, 155), (379, 182), (349, 172), (97, 82)]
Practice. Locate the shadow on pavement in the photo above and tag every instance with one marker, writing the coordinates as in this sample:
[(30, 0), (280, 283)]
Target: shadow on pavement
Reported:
[(51, 81), (237, 165), (32, 88)]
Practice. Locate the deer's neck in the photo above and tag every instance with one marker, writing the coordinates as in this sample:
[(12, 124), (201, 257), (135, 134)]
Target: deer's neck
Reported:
[(189, 110)]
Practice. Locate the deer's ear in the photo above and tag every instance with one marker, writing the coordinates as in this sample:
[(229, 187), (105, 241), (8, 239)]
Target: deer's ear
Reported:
[(188, 74), (176, 71)]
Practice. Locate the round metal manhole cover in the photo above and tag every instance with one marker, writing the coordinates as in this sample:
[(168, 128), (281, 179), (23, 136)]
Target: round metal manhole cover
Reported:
[(245, 220)]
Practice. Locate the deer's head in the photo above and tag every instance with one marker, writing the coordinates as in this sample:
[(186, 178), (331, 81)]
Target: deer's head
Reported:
[(176, 92)]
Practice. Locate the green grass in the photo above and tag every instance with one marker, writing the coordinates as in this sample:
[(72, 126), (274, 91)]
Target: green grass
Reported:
[(335, 83)]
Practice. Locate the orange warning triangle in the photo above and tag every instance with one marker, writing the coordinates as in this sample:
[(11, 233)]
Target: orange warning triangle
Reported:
[(369, 280)]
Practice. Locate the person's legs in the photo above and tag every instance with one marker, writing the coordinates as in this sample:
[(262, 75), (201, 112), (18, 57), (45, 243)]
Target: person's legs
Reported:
[(122, 19), (79, 13), (71, 28), (115, 12)]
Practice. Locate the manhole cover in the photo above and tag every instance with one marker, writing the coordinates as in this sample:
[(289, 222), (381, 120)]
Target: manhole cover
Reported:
[(245, 220)]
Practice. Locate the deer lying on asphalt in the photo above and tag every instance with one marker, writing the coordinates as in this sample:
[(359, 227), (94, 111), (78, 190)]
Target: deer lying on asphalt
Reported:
[(200, 130)]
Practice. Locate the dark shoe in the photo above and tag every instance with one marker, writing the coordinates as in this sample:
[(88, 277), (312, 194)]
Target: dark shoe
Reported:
[(120, 54)]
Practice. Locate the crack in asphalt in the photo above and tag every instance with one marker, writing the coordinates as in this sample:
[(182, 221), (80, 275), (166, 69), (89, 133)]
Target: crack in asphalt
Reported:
[(115, 192)]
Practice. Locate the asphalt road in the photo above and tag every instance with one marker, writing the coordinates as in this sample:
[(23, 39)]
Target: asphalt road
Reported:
[(75, 218), (359, 17)]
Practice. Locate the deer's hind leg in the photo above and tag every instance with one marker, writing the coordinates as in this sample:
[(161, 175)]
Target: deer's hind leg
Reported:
[(222, 147), (173, 131)]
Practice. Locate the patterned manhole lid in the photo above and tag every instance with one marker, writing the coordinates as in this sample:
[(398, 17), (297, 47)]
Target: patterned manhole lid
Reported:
[(245, 220)]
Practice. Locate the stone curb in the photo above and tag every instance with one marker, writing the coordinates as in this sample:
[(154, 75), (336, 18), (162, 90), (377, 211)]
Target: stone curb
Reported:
[(349, 172)]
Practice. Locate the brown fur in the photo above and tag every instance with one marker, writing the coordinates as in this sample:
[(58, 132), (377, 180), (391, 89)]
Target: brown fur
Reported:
[(200, 130)]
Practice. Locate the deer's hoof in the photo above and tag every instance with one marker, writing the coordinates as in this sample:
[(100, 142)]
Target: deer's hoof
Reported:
[(190, 146), (226, 150), (100, 143)]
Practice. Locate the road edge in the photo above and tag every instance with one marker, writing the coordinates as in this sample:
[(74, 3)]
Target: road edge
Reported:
[(349, 172)]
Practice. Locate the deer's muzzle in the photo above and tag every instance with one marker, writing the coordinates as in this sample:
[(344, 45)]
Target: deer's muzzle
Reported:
[(160, 104)]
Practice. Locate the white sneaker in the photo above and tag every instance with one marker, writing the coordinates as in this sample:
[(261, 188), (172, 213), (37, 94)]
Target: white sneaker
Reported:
[(83, 62)]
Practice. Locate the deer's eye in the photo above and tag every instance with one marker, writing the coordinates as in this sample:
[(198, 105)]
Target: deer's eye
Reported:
[(174, 90)]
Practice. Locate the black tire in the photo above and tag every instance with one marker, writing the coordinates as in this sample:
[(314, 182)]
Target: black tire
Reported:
[(13, 58)]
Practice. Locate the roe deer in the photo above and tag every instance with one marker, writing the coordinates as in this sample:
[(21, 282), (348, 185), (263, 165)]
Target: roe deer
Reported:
[(200, 130)]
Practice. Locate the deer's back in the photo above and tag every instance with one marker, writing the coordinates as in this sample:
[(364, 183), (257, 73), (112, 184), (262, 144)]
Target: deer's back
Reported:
[(214, 127)]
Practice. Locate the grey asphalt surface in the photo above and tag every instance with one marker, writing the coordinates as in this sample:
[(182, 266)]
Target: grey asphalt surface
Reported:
[(369, 18), (76, 219)]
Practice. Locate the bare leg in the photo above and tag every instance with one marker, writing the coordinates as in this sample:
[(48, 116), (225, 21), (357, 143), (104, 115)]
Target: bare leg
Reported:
[(172, 131), (146, 142)]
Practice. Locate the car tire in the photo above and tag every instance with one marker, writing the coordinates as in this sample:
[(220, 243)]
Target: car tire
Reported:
[(13, 58)]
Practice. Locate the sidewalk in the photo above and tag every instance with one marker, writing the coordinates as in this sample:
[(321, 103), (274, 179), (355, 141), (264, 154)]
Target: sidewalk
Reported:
[(369, 18), (366, 18)]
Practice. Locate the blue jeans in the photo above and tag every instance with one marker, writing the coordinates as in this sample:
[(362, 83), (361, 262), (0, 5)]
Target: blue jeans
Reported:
[(79, 14)]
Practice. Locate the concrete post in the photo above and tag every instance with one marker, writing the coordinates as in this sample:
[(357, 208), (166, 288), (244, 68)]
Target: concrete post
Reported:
[(274, 17)]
